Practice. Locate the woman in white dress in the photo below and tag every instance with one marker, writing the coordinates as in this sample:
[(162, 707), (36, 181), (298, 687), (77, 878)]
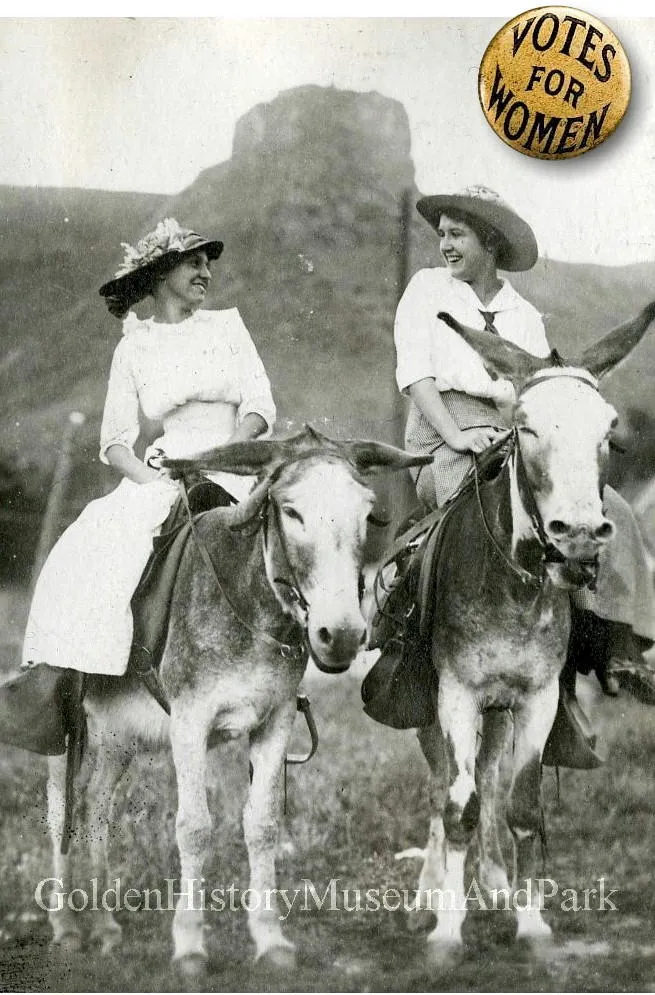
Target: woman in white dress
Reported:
[(198, 373)]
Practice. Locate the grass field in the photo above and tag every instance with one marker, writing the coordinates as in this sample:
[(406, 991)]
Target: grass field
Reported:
[(361, 800)]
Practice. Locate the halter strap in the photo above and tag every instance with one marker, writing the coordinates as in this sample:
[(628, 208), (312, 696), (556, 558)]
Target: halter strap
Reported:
[(551, 553), (561, 374), (292, 586), (524, 575)]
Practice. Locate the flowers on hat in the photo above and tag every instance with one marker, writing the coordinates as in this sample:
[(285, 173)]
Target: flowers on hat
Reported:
[(168, 236), (483, 193)]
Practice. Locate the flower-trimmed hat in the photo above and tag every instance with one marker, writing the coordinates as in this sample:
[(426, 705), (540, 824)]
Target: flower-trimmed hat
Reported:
[(518, 249), (157, 252)]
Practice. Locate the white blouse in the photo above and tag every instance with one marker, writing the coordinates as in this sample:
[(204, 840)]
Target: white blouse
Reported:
[(427, 347), (199, 377)]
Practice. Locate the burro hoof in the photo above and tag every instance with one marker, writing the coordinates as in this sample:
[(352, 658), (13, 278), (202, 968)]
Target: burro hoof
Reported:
[(442, 956), (421, 921), (279, 958), (538, 946), (68, 943), (191, 969), (110, 942), (107, 940)]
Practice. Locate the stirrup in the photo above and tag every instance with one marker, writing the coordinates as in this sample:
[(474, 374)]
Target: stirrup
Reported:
[(303, 705)]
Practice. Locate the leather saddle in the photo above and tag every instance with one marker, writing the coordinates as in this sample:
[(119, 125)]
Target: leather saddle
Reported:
[(400, 690), (151, 601)]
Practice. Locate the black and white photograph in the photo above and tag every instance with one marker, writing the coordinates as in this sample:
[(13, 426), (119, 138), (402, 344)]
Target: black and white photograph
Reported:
[(327, 502)]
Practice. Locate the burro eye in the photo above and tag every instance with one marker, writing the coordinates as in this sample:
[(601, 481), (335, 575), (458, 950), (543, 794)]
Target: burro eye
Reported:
[(290, 512), (526, 430)]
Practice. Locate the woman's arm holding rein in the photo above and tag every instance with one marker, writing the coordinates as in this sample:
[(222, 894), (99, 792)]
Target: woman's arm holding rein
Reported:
[(427, 397), (124, 460)]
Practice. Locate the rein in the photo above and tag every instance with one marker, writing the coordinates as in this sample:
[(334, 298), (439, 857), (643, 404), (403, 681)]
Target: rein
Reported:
[(524, 575), (288, 651)]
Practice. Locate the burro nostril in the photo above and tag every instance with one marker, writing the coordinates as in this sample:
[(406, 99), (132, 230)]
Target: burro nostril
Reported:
[(605, 531), (558, 528), (325, 635)]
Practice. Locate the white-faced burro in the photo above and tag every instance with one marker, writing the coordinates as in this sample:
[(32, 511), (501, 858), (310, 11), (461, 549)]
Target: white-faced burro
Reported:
[(513, 549)]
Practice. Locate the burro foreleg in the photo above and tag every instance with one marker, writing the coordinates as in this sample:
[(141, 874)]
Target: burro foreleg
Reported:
[(532, 723), (189, 733), (458, 717), (261, 823)]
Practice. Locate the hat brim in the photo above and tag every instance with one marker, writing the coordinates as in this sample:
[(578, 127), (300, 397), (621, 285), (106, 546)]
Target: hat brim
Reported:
[(520, 251), (139, 280)]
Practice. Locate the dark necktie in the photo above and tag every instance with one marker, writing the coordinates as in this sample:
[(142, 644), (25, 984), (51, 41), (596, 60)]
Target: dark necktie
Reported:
[(489, 321)]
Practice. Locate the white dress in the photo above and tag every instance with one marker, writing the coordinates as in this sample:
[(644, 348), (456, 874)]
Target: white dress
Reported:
[(199, 378)]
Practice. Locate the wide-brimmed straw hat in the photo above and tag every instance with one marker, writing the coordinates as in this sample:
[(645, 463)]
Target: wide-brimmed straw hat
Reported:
[(518, 250), (157, 252)]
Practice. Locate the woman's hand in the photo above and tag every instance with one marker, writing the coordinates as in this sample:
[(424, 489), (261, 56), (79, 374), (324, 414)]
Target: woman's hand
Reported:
[(161, 472), (252, 426), (475, 440), (124, 460)]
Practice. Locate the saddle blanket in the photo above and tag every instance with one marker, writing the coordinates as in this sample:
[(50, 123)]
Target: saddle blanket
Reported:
[(151, 602)]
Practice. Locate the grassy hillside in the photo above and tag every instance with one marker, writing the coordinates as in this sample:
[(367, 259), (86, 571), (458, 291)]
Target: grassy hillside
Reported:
[(55, 248), (581, 302)]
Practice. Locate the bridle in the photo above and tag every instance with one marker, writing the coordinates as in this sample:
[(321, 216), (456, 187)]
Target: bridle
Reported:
[(549, 552), (267, 520), (291, 586), (294, 591), (291, 649)]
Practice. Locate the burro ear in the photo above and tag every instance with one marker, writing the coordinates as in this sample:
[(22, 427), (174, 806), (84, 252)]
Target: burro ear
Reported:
[(243, 458), (256, 456), (499, 356), (370, 457), (604, 355)]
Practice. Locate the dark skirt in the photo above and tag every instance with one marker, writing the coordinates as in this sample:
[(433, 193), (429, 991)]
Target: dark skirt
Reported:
[(624, 588)]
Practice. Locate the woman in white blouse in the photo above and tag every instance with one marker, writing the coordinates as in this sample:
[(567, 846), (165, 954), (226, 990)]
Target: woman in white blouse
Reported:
[(457, 409), (196, 372)]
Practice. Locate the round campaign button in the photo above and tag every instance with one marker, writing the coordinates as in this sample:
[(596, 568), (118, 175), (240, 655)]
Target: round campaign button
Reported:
[(554, 82)]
